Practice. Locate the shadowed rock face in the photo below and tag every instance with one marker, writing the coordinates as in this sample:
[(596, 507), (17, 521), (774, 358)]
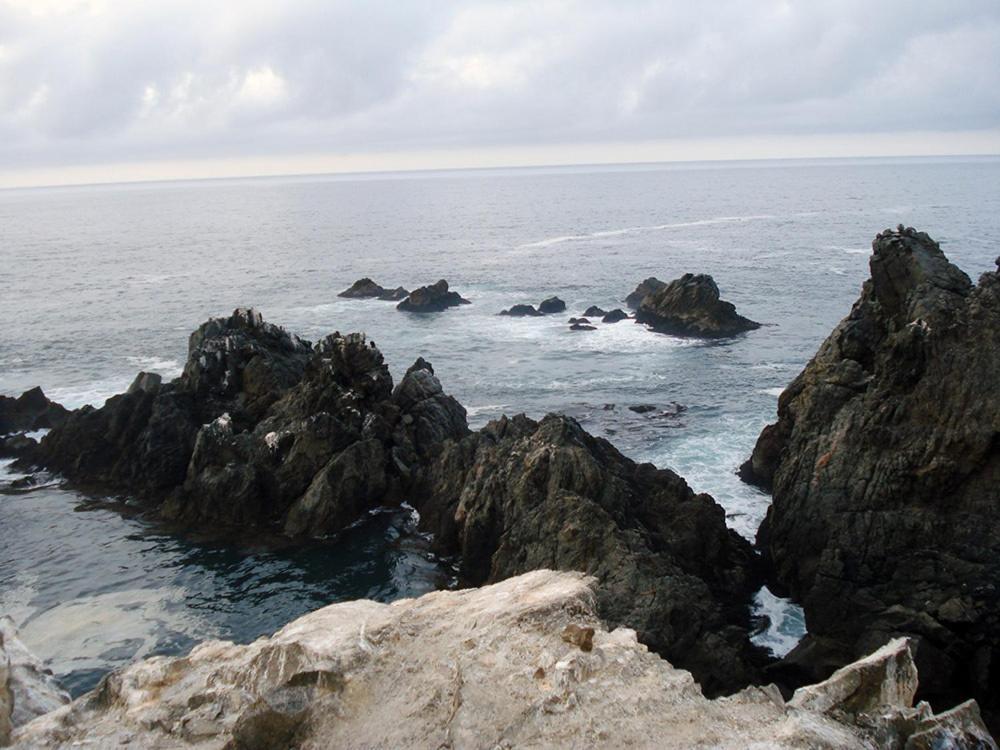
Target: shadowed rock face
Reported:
[(363, 289), (32, 410), (690, 306), (261, 429), (647, 287), (434, 298), (522, 663), (885, 463), (521, 495)]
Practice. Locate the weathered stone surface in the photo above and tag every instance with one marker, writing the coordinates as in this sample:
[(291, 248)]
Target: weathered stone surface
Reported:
[(521, 495), (643, 290), (363, 289), (551, 305), (32, 410), (27, 689), (885, 464), (262, 430), (690, 306), (429, 299), (503, 666)]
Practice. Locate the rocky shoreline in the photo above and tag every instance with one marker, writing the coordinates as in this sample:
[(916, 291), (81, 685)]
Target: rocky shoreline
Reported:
[(882, 463)]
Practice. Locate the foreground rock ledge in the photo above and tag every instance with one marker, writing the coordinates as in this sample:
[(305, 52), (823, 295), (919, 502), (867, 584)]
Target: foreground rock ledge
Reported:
[(524, 663), (885, 462)]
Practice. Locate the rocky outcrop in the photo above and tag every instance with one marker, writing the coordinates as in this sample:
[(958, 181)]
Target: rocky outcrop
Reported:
[(521, 495), (551, 305), (614, 316), (594, 312), (429, 299), (643, 290), (262, 429), (521, 311), (523, 663), (32, 410), (367, 289), (27, 689), (690, 306), (885, 463)]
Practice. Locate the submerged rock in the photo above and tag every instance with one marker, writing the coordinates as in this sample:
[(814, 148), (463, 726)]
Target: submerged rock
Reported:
[(521, 311), (884, 464), (27, 689), (521, 495), (690, 306), (581, 326), (645, 288), (551, 305), (262, 429), (425, 673), (434, 298), (32, 410)]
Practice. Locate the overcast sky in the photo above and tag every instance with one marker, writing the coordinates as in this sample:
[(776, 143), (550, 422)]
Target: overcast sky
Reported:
[(106, 89)]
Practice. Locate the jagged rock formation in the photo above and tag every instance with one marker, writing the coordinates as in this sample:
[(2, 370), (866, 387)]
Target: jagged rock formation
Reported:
[(523, 663), (885, 463), (521, 495), (32, 410), (261, 429), (643, 290), (690, 306), (27, 689), (434, 298)]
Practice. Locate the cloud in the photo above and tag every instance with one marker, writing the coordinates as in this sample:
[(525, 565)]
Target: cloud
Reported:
[(92, 81)]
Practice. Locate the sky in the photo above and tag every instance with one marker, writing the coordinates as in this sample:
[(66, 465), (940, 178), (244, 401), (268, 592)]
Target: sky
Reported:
[(109, 90)]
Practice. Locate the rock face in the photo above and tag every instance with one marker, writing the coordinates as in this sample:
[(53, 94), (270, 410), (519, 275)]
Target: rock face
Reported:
[(262, 429), (614, 316), (521, 495), (690, 306), (521, 311), (645, 288), (885, 463), (363, 289), (434, 298), (551, 305), (523, 663), (27, 689), (32, 410)]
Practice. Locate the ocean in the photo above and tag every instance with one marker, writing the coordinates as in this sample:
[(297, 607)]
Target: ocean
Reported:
[(100, 282)]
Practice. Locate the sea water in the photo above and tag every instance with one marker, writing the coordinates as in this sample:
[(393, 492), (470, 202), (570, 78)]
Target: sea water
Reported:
[(101, 282)]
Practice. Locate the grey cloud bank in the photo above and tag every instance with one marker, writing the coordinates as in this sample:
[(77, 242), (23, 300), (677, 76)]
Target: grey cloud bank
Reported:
[(87, 82)]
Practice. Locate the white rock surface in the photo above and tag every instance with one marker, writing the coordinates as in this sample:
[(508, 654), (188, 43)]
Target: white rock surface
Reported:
[(482, 668), (27, 689)]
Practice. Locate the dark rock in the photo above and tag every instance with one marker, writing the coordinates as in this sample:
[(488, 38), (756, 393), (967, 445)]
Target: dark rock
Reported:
[(363, 289), (262, 430), (521, 311), (690, 306), (584, 321), (642, 408), (32, 410), (647, 287), (885, 463), (614, 316), (17, 446), (582, 327), (595, 311), (521, 495), (434, 298), (551, 305), (394, 295)]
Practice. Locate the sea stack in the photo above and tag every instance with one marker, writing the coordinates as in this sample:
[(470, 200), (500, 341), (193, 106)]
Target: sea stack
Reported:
[(690, 306)]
